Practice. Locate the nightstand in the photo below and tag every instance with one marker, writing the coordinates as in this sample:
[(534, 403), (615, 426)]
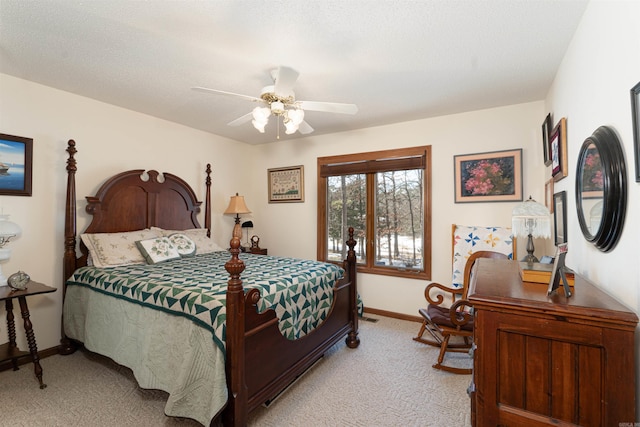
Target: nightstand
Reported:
[(257, 251), (10, 350)]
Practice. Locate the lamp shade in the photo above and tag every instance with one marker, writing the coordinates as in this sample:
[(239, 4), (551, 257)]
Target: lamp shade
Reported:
[(531, 218), (8, 230), (237, 206)]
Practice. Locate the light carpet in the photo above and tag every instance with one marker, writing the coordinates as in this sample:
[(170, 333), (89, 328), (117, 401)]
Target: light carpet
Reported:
[(387, 381)]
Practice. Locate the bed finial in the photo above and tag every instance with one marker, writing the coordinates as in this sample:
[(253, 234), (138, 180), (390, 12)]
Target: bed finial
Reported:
[(207, 202), (352, 339), (66, 346), (236, 411)]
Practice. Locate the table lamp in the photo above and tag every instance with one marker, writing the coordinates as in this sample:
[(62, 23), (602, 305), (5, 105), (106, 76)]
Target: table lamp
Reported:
[(8, 231), (236, 207), (531, 219)]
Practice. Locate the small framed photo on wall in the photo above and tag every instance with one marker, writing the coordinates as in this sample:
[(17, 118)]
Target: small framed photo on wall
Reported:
[(546, 131), (558, 147), (635, 116), (560, 217)]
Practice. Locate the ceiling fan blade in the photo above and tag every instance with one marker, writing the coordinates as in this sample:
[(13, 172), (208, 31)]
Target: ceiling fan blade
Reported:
[(222, 92), (241, 120), (285, 78), (304, 128), (328, 107)]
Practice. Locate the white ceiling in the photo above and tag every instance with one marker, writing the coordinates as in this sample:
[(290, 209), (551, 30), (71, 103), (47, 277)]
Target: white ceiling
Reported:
[(397, 60)]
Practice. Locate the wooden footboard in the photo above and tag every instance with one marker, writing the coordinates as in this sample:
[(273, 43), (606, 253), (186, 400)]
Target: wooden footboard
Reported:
[(261, 362)]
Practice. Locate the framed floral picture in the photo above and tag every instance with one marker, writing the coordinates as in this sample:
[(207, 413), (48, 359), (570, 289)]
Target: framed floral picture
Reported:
[(286, 184), (488, 177), (558, 147)]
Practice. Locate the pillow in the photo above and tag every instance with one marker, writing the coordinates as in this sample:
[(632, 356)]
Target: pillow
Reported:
[(158, 249), (115, 249), (183, 244), (204, 244)]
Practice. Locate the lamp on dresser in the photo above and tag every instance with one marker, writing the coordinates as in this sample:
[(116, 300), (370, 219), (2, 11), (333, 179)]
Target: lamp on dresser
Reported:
[(531, 219), (8, 230), (236, 207)]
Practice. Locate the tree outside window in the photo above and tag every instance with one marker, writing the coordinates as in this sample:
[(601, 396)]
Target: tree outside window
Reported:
[(385, 197)]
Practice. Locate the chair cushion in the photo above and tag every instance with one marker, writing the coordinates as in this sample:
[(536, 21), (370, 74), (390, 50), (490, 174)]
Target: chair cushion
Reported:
[(440, 316)]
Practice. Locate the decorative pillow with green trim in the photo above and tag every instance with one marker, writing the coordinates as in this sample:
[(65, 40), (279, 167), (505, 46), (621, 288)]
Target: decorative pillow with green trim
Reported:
[(157, 250), (204, 244), (183, 244)]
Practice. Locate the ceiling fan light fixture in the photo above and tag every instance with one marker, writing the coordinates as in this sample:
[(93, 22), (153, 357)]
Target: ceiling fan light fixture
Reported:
[(290, 127), (260, 118), (296, 116), (277, 108)]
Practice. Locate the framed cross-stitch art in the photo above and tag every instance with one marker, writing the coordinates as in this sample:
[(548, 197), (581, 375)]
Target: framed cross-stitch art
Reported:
[(286, 184), (16, 157)]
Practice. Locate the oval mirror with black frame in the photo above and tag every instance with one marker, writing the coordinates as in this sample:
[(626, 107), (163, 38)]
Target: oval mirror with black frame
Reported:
[(601, 188)]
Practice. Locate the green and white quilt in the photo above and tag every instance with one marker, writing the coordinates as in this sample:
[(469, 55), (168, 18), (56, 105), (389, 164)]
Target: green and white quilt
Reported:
[(300, 291)]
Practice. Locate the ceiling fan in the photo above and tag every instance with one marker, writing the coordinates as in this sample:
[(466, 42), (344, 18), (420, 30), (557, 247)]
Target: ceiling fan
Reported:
[(279, 100)]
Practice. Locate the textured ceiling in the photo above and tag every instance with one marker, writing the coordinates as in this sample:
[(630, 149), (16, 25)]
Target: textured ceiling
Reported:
[(396, 60)]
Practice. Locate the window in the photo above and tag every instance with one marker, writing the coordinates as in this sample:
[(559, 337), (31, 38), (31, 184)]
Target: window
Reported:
[(386, 197)]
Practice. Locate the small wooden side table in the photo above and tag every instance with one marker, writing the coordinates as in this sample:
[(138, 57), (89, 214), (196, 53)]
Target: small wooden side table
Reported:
[(257, 251), (10, 350)]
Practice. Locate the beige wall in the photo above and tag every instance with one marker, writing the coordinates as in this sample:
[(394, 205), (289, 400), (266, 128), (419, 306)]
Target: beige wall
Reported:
[(516, 126), (591, 89)]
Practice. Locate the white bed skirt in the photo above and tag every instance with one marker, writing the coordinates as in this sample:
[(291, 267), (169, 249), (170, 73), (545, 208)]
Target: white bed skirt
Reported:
[(164, 351)]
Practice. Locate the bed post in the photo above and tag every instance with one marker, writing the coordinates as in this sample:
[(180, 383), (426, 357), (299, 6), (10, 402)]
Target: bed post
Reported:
[(66, 346), (352, 339), (207, 201), (235, 414)]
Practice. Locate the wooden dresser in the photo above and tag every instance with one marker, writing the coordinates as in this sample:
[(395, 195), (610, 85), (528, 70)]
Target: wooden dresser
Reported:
[(549, 360)]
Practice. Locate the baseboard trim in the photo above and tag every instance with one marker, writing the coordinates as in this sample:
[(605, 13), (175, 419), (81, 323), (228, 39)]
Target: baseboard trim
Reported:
[(26, 359), (393, 314)]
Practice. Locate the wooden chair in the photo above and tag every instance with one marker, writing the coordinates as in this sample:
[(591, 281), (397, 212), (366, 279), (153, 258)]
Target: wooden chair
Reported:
[(446, 322)]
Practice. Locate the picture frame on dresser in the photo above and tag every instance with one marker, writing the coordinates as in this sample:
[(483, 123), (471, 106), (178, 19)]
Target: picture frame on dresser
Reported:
[(558, 150), (16, 160), (635, 117)]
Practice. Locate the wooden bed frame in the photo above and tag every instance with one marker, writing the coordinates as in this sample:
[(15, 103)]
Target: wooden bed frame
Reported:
[(260, 362)]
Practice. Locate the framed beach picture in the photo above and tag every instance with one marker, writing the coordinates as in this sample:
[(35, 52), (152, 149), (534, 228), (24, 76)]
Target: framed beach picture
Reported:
[(286, 184), (488, 177), (16, 156)]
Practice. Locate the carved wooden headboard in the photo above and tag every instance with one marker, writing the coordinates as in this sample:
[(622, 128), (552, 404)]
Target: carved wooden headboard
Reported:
[(132, 200)]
